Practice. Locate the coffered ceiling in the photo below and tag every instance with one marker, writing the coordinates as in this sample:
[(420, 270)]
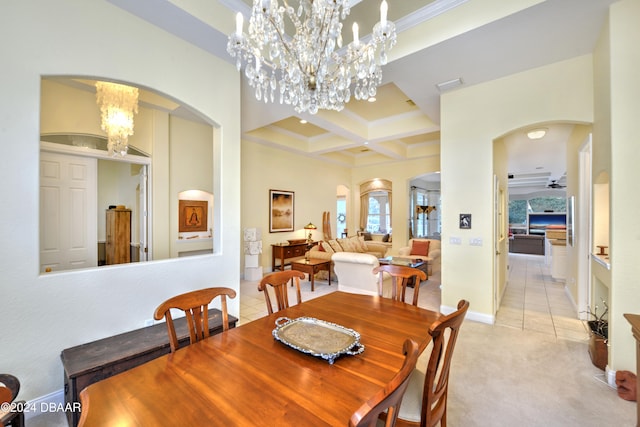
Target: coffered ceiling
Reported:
[(438, 41)]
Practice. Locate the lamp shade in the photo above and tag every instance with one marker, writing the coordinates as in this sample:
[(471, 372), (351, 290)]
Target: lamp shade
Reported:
[(310, 226)]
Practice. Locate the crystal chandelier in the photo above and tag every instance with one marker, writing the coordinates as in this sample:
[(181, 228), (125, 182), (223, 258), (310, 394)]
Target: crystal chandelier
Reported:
[(310, 67), (118, 103)]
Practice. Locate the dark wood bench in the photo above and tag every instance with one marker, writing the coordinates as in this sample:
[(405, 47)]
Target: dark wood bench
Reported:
[(88, 363)]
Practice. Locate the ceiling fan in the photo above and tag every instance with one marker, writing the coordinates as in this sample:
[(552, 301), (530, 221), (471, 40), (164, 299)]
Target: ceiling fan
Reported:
[(554, 184)]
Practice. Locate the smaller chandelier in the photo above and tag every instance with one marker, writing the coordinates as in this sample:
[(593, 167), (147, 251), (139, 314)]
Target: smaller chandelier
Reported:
[(310, 67), (118, 103)]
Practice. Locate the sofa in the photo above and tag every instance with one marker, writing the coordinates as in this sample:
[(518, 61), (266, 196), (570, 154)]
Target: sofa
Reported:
[(527, 244), (354, 272), (431, 255), (356, 244)]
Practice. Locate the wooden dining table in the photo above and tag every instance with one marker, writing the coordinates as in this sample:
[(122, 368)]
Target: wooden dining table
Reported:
[(245, 377)]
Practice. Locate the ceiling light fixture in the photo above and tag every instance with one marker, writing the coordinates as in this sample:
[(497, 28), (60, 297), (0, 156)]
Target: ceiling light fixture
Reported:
[(118, 103), (310, 68), (372, 99), (536, 133), (303, 121)]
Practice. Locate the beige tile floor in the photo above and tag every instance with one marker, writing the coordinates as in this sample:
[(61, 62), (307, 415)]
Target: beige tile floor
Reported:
[(534, 301)]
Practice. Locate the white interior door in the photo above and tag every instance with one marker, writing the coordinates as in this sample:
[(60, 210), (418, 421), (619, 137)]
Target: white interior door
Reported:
[(582, 226), (68, 212), (143, 214)]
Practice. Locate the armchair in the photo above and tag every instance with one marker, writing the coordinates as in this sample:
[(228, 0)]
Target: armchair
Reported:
[(432, 256)]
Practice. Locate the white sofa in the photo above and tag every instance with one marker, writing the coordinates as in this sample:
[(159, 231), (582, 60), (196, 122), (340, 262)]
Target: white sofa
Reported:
[(355, 273), (433, 258)]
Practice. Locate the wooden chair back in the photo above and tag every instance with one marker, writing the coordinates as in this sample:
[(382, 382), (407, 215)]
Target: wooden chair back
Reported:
[(195, 305), (9, 389), (390, 397), (436, 378), (278, 282), (400, 276)]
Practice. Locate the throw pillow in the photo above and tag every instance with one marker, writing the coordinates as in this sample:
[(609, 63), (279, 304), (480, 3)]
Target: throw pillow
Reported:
[(326, 247), (320, 247), (347, 245), (367, 236), (420, 247), (335, 246), (362, 245), (385, 238), (358, 246)]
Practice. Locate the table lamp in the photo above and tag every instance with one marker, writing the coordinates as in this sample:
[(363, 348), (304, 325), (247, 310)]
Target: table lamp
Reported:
[(310, 227)]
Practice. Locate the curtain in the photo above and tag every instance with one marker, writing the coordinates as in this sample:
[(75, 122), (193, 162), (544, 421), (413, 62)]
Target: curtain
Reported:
[(364, 210)]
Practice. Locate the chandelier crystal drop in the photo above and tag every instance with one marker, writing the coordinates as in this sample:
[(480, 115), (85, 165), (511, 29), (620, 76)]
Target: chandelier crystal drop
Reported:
[(309, 69), (118, 103)]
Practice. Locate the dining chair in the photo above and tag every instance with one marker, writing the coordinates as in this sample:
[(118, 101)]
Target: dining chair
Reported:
[(425, 401), (195, 305), (388, 399), (278, 282), (400, 275), (9, 389)]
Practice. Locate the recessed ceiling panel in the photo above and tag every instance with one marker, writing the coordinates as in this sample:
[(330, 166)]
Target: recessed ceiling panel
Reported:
[(292, 124), (390, 101)]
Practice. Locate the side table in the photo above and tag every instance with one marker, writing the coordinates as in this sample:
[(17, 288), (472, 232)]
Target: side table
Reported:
[(311, 267), (284, 251)]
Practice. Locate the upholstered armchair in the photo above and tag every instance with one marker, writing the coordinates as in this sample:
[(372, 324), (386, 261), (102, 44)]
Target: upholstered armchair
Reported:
[(431, 254)]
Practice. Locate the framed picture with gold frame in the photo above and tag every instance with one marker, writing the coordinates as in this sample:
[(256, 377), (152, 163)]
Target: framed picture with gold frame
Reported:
[(192, 215), (281, 211)]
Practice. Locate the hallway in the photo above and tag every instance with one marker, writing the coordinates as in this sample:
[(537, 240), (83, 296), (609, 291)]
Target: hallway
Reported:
[(533, 301)]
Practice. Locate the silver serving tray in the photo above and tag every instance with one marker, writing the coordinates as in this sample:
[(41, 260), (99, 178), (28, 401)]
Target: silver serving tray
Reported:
[(317, 337)]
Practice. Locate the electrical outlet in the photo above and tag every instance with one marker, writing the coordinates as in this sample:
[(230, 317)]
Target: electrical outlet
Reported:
[(455, 240), (475, 241)]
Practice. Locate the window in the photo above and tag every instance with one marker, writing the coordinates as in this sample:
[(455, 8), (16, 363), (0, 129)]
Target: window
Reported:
[(425, 208), (375, 206), (378, 217)]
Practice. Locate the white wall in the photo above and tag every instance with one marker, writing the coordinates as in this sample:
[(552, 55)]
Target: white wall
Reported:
[(42, 315), (624, 174), (471, 119)]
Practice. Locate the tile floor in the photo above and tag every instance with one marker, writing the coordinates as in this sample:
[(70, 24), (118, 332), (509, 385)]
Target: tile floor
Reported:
[(534, 301)]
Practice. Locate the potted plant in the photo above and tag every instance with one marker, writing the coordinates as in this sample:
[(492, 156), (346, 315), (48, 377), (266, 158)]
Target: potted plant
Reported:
[(599, 337)]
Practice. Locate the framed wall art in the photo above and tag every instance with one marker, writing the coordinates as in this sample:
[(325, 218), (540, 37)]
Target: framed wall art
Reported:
[(192, 215), (465, 221), (281, 211)]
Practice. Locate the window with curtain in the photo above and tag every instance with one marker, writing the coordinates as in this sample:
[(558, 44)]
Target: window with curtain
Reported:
[(378, 216), (375, 206)]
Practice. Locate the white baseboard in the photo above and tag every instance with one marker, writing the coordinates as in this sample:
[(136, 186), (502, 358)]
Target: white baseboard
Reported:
[(471, 315), (52, 402), (610, 375)]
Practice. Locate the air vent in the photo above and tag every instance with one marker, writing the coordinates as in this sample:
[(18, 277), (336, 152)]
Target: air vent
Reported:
[(410, 102), (449, 84)]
